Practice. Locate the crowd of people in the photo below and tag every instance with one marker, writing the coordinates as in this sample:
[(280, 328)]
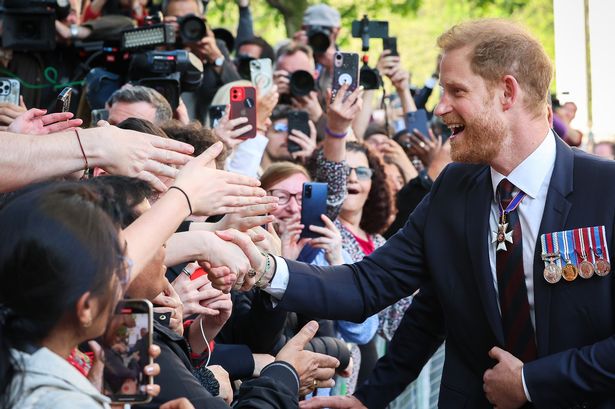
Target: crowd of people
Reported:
[(146, 188)]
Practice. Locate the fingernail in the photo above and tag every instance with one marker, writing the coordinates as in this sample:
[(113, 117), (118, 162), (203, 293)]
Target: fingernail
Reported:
[(149, 370)]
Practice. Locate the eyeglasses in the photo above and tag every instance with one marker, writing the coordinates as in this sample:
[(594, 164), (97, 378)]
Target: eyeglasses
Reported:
[(363, 172), (284, 195)]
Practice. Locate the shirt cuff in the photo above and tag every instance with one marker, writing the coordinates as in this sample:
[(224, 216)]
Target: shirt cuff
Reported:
[(278, 285), (527, 394)]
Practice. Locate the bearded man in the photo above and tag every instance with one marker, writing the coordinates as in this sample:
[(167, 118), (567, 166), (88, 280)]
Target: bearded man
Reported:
[(510, 250)]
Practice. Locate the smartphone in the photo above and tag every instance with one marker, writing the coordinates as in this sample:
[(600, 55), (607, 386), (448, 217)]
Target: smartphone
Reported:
[(98, 115), (418, 120), (9, 90), (243, 105), (297, 120), (216, 112), (126, 344), (313, 205), (345, 71), (390, 43), (63, 100), (261, 73)]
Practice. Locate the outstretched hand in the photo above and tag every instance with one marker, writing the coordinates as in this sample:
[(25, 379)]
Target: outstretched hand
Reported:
[(333, 402), (38, 122)]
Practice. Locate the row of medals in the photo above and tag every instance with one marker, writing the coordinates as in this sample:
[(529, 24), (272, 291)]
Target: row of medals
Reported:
[(586, 269)]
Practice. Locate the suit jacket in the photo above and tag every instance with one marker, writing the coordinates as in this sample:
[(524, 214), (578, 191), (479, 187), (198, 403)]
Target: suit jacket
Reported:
[(443, 250)]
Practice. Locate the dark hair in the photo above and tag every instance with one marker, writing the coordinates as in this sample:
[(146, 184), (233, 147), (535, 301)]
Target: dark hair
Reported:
[(280, 111), (142, 125), (267, 49), (374, 129), (120, 195), (196, 135), (380, 203), (57, 244)]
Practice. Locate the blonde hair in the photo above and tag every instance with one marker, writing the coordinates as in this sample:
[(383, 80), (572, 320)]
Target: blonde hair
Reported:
[(500, 47), (280, 171)]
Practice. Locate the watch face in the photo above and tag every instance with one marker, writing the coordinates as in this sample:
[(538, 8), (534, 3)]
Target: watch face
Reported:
[(219, 61)]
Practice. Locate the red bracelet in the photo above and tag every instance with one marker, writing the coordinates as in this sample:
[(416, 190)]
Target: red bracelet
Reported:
[(85, 158)]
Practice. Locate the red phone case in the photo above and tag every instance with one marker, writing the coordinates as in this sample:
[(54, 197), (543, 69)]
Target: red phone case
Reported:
[(243, 105)]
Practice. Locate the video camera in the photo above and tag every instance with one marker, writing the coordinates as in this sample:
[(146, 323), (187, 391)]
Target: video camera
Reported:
[(365, 29), (168, 72), (29, 25)]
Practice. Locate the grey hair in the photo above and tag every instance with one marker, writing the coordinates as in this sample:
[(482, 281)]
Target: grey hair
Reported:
[(139, 93)]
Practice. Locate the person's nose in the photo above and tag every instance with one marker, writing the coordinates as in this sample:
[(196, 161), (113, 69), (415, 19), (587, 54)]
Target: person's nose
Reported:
[(443, 106)]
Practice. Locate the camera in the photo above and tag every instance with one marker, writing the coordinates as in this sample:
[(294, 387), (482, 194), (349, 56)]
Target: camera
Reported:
[(29, 25), (168, 72), (365, 29), (301, 83), (308, 191), (369, 78), (191, 28), (319, 38)]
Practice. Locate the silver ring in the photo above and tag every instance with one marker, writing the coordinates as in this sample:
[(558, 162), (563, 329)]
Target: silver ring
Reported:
[(422, 145), (185, 271), (251, 273)]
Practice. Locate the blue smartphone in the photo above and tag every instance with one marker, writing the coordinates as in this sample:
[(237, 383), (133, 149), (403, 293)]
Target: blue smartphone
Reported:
[(313, 204), (418, 120)]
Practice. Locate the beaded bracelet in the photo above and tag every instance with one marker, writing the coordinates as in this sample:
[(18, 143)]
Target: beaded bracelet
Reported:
[(258, 283)]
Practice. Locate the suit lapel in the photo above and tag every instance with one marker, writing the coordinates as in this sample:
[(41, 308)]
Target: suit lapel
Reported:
[(554, 218), (478, 207)]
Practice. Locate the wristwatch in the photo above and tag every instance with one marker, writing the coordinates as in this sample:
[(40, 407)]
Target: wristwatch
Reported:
[(219, 61)]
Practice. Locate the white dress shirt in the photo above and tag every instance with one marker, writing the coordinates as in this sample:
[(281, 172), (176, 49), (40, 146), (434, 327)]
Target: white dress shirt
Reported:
[(531, 176)]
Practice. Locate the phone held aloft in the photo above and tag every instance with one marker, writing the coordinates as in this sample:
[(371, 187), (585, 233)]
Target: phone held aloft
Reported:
[(297, 120), (126, 345), (243, 105), (63, 100), (345, 71), (9, 90)]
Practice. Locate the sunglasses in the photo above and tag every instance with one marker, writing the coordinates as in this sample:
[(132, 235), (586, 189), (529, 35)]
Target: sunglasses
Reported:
[(362, 172)]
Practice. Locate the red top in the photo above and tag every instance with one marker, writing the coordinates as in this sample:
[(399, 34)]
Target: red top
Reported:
[(367, 246)]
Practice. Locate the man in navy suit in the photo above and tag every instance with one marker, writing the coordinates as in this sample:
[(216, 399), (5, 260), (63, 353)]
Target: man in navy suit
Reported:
[(473, 249)]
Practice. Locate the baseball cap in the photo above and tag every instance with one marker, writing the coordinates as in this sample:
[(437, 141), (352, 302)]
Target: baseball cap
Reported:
[(321, 15)]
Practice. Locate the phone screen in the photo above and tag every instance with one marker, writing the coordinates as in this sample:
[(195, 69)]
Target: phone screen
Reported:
[(126, 344)]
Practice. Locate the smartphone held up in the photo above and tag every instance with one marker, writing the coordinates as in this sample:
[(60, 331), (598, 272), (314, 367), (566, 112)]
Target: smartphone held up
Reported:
[(126, 345)]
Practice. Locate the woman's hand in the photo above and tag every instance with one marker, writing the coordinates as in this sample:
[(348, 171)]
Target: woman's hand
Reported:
[(330, 241), (248, 217), (264, 107), (426, 148), (168, 301), (342, 111), (290, 231), (315, 370), (213, 191), (226, 390), (229, 130), (38, 122)]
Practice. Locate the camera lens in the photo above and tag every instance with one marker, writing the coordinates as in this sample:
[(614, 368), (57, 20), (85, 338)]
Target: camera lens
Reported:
[(192, 29), (369, 78), (301, 83), (318, 38)]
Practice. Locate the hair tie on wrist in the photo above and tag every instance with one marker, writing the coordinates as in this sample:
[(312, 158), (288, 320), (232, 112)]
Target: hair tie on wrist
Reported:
[(185, 194), (335, 135)]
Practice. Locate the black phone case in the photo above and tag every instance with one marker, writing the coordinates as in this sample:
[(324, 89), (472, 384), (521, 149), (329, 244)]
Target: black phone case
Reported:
[(297, 120), (63, 100), (390, 43), (344, 69), (313, 204)]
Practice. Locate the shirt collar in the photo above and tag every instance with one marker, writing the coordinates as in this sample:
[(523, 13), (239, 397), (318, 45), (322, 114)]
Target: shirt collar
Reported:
[(529, 175)]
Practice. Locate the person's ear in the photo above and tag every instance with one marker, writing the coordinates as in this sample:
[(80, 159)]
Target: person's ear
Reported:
[(510, 92), (85, 310)]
